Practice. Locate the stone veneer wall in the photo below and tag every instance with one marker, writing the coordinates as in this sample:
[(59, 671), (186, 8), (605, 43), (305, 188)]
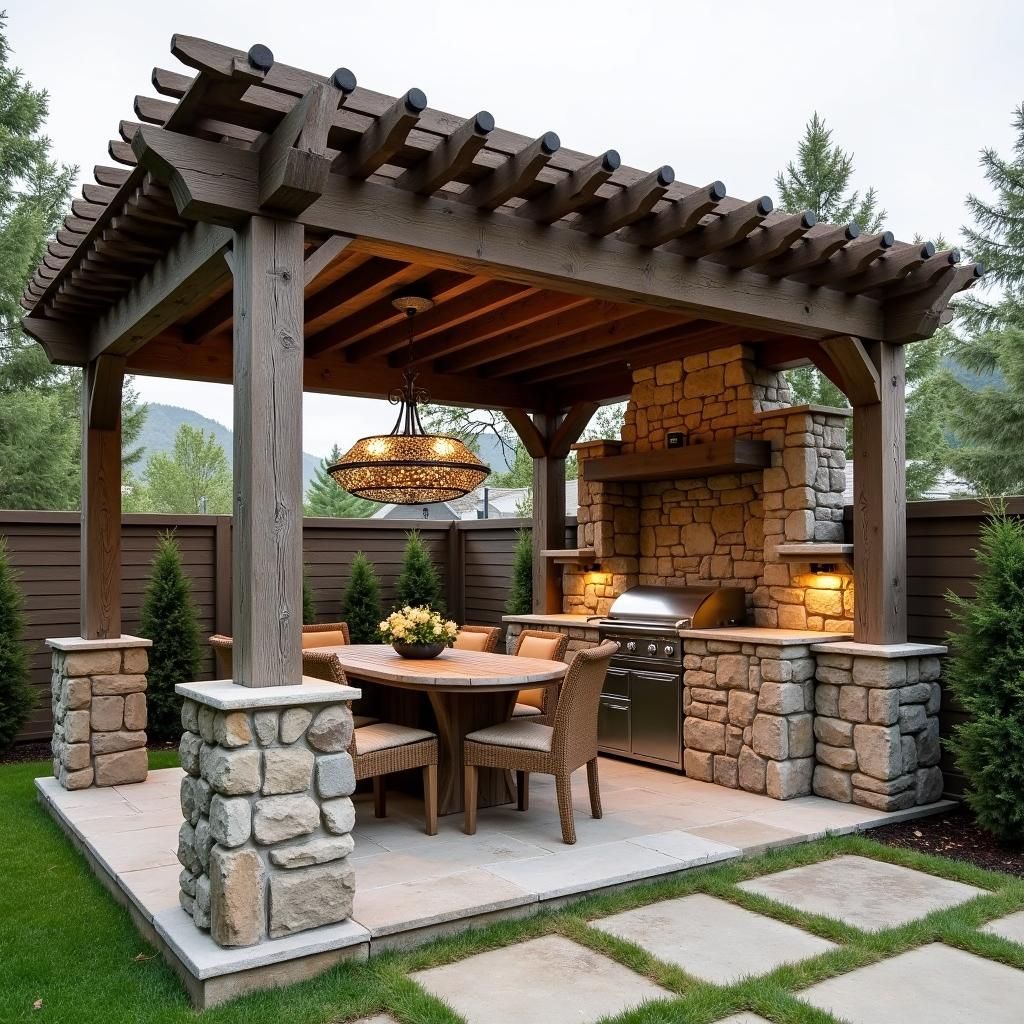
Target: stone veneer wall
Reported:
[(877, 726), (98, 698), (749, 715), (266, 799), (725, 528)]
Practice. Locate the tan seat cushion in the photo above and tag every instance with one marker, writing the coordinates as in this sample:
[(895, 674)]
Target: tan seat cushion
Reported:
[(471, 640), (384, 735), (519, 733), (325, 638), (525, 711), (538, 647)]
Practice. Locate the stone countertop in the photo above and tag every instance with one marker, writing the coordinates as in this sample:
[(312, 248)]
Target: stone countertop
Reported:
[(555, 619), (884, 650), (225, 695), (764, 635)]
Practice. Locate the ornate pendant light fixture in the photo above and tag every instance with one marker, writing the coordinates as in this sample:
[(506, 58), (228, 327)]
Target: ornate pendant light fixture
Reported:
[(409, 466)]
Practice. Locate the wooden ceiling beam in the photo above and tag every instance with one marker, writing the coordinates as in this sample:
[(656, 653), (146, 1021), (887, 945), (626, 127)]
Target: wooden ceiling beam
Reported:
[(631, 204), (568, 431), (682, 217), (381, 141), (63, 344), (323, 256), (527, 432), (767, 242), (890, 268), (521, 312), (724, 231), (513, 176), (365, 283), (450, 158), (575, 192), (850, 260)]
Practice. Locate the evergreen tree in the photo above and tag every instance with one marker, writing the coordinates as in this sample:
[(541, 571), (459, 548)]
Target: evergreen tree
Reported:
[(169, 619), (308, 600), (986, 673), (194, 479), (17, 696), (819, 180), (419, 582), (360, 605), (325, 498), (520, 595)]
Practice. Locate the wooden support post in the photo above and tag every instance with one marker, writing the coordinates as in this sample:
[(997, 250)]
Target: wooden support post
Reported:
[(880, 505), (548, 520), (100, 617), (267, 533)]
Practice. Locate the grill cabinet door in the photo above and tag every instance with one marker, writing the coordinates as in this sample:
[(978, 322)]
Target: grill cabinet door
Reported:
[(613, 712), (656, 716)]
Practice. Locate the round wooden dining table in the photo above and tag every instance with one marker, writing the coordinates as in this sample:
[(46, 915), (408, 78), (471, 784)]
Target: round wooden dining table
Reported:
[(467, 690)]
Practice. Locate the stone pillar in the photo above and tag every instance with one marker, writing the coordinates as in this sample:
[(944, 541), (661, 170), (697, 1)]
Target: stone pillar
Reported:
[(877, 724), (748, 710), (265, 842), (98, 697)]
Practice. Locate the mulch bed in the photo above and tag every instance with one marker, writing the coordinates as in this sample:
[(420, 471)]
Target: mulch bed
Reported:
[(955, 835)]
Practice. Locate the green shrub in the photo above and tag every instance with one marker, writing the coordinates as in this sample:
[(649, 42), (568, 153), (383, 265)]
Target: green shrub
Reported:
[(419, 582), (520, 595), (17, 696), (169, 620), (308, 601), (986, 673), (360, 605)]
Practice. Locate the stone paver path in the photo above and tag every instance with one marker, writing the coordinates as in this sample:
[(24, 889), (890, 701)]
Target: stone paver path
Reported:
[(712, 939), (545, 979), (1011, 927), (866, 893), (935, 984)]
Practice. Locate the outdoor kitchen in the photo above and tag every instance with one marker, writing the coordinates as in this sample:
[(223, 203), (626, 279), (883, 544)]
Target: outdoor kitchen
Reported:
[(711, 545)]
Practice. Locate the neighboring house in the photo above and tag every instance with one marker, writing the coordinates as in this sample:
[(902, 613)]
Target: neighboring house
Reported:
[(947, 486), (483, 503), (439, 511)]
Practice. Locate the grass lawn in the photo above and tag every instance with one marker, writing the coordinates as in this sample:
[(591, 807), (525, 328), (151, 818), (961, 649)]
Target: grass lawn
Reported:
[(67, 947)]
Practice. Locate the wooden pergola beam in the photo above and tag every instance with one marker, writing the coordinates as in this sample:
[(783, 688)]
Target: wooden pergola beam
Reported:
[(512, 176), (631, 204), (727, 230), (858, 373), (678, 219), (451, 157), (384, 138), (917, 316), (574, 192)]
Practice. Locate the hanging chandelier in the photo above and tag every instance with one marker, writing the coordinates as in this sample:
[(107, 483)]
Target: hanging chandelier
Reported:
[(409, 466)]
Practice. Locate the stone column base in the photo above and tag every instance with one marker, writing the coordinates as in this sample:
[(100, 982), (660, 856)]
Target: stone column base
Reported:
[(265, 842), (98, 697), (877, 724)]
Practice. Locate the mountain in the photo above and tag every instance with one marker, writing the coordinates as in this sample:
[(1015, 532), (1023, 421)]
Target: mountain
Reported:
[(163, 421)]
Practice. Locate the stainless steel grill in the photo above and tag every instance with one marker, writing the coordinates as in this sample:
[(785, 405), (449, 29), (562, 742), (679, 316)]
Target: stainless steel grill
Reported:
[(641, 712)]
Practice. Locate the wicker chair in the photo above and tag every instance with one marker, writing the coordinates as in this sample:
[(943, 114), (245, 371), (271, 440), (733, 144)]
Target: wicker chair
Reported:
[(325, 665), (319, 634), (549, 646), (523, 746), (478, 638)]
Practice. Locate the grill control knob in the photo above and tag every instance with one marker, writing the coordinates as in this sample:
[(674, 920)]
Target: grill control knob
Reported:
[(652, 649), (669, 650), (631, 646)]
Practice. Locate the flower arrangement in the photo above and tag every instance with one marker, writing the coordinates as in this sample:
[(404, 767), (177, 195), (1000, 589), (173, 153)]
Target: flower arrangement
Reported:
[(418, 632)]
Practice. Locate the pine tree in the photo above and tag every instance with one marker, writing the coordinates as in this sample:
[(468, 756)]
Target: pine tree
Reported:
[(986, 673), (819, 180), (308, 600), (169, 619), (360, 605), (520, 595), (17, 696), (325, 498), (419, 582)]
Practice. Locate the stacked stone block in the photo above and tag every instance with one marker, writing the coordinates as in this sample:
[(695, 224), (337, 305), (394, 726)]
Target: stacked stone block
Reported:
[(749, 715), (98, 699), (877, 729), (266, 800)]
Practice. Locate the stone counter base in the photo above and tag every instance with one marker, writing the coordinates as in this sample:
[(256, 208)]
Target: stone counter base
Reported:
[(748, 716), (877, 730), (98, 699), (265, 842)]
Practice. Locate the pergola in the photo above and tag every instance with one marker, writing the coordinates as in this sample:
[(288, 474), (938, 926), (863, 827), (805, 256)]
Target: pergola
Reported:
[(264, 216)]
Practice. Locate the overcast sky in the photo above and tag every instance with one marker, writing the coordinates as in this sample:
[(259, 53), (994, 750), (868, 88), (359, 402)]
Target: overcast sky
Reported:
[(716, 89)]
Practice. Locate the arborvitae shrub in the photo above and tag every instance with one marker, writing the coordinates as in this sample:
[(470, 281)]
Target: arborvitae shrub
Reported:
[(360, 605), (419, 582), (169, 620), (17, 697), (520, 595), (986, 673), (308, 601)]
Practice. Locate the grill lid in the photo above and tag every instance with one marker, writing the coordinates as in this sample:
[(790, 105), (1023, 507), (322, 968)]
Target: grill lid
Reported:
[(669, 606)]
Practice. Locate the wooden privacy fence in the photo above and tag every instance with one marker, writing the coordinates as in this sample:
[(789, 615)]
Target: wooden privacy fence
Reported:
[(474, 558)]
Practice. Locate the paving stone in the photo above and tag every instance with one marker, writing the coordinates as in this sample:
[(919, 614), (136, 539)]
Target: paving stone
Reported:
[(934, 984), (862, 892), (545, 979), (713, 939), (1011, 927), (748, 835)]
